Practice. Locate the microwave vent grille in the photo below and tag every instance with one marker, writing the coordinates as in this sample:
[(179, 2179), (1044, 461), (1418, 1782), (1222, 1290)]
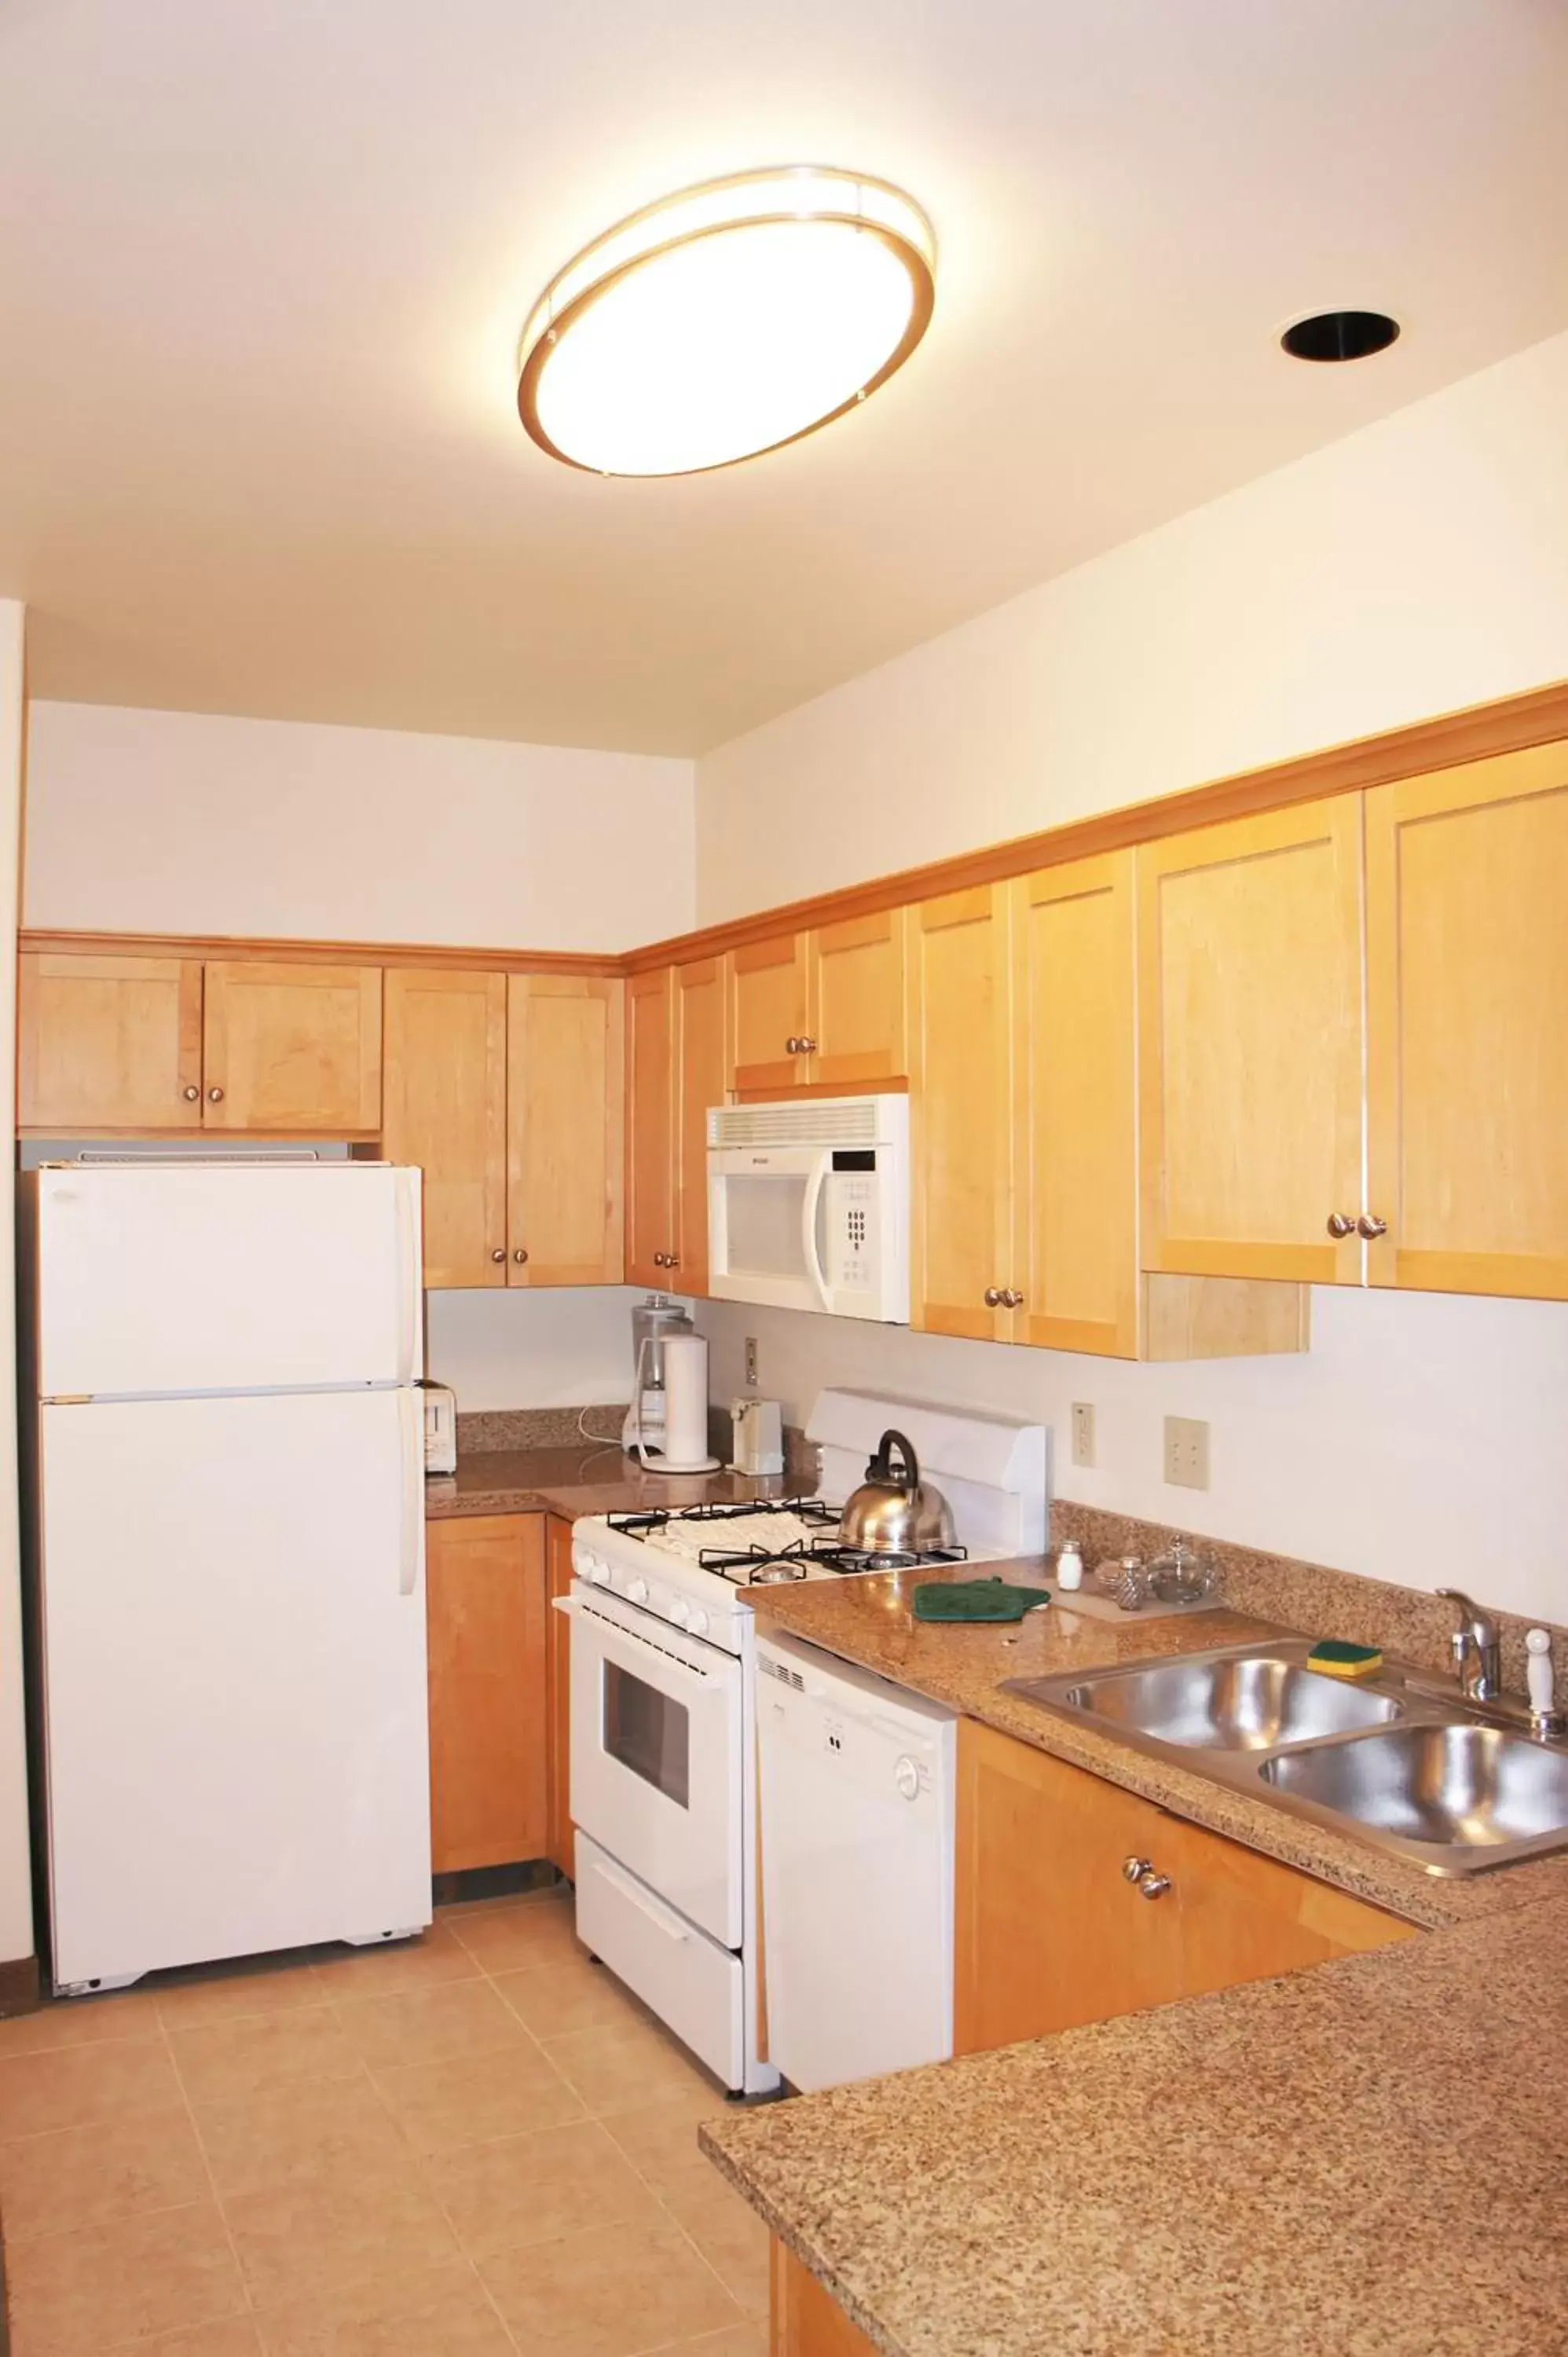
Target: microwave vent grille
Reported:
[(821, 1120)]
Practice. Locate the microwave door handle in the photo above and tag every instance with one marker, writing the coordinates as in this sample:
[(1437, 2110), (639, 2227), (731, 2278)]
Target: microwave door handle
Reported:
[(813, 1196)]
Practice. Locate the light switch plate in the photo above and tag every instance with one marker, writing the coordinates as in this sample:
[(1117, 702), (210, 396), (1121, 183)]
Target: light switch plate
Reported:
[(1082, 1432), (1186, 1452)]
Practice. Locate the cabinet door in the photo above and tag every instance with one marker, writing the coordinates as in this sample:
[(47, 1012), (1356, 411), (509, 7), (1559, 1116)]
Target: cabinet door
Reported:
[(1245, 1918), (960, 1098), (700, 1008), (293, 1049), (856, 972), (489, 1748), (1075, 1250), (565, 1137), (650, 1126), (108, 1042), (804, 2319), (444, 1107), (1249, 1046), (1467, 1014), (1049, 1932), (769, 1007), (558, 1660)]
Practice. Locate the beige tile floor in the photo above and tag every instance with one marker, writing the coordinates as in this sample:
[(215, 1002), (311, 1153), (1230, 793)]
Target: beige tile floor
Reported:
[(479, 2145)]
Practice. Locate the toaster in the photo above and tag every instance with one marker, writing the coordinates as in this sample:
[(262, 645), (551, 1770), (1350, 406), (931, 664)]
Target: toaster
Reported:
[(758, 1436), (440, 1429)]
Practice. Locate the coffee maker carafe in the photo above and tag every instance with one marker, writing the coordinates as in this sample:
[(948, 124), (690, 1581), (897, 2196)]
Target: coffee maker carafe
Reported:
[(646, 1432)]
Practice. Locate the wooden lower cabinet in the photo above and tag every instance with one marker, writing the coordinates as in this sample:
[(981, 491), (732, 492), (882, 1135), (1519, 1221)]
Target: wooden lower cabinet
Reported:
[(559, 1848), (806, 2320), (489, 1728), (1050, 1935)]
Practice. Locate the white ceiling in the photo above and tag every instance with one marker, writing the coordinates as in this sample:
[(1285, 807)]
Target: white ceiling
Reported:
[(262, 270)]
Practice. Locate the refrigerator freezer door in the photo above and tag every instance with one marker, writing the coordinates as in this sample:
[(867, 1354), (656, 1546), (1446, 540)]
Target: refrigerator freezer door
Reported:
[(159, 1278), (234, 1682)]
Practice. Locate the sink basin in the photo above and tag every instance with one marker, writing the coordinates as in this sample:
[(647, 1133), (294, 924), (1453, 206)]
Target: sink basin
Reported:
[(1467, 1787), (1250, 1702)]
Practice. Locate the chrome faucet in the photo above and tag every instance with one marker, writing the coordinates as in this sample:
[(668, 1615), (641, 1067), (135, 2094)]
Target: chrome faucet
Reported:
[(1477, 1654)]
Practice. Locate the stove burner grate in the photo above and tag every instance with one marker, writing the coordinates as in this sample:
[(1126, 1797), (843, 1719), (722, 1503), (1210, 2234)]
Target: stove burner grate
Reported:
[(648, 1523), (758, 1566)]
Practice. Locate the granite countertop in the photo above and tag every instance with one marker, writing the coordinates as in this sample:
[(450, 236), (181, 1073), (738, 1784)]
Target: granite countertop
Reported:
[(1367, 2159), (587, 1477)]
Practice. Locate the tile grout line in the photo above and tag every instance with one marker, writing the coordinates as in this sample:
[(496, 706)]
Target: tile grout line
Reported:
[(250, 2307)]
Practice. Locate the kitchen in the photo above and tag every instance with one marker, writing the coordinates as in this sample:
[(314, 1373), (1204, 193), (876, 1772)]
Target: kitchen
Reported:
[(1186, 790)]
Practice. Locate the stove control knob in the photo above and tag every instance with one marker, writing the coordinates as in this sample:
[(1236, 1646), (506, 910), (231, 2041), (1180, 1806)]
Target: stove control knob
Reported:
[(637, 1591), (599, 1570), (697, 1621), (906, 1777), (680, 1613)]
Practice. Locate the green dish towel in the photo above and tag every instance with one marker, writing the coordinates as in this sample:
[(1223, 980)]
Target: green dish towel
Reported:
[(974, 1599)]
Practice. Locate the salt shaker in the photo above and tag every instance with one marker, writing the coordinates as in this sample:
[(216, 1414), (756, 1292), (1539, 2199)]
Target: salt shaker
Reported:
[(1070, 1565)]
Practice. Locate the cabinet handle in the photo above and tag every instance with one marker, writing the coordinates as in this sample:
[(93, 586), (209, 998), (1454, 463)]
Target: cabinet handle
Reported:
[(1341, 1223), (1153, 1886), (1134, 1868), (520, 1255), (1012, 1299), (1371, 1227), (214, 1096), (807, 1047), (192, 1095), (993, 1296), (792, 1046), (499, 1252)]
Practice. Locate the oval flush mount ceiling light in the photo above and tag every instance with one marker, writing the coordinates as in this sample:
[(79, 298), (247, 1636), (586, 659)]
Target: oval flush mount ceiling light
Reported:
[(725, 321), (1340, 336)]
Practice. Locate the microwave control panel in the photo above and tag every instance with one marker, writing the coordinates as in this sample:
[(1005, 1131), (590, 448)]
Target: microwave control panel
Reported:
[(854, 1257)]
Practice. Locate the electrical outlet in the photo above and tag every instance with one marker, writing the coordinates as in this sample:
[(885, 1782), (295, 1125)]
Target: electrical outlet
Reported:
[(1186, 1452), (751, 1361), (1082, 1432)]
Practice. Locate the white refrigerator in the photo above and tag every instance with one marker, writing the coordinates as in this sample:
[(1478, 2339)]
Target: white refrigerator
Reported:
[(228, 1539)]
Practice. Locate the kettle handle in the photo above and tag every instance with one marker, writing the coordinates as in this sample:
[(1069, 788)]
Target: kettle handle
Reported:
[(881, 1466)]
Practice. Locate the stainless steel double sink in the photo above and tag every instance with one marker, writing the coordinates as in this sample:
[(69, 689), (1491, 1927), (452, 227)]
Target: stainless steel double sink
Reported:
[(1395, 1760)]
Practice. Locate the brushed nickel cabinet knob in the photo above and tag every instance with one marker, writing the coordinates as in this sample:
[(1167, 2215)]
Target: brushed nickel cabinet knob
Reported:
[(192, 1095), (993, 1296), (807, 1047), (1011, 1298), (1134, 1868), (1371, 1227), (498, 1254), (520, 1255), (1341, 1223), (791, 1046), (1153, 1886), (214, 1096)]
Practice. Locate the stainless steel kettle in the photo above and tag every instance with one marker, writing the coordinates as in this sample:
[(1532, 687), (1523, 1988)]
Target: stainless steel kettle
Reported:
[(894, 1512)]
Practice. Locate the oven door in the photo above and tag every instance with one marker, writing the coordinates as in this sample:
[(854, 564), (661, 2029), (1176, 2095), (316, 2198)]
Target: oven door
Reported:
[(656, 1757)]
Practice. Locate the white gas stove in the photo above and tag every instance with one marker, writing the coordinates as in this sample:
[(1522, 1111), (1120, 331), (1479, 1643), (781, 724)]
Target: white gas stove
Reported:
[(664, 1705)]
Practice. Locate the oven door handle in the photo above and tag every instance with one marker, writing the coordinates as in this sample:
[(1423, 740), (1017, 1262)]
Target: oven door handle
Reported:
[(660, 1917), (811, 1198)]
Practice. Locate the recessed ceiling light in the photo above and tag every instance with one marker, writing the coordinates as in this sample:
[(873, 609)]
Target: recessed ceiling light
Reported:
[(1340, 336), (725, 320)]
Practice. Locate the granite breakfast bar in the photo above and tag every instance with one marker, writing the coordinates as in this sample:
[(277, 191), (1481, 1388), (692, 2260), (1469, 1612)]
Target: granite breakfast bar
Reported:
[(1231, 2176)]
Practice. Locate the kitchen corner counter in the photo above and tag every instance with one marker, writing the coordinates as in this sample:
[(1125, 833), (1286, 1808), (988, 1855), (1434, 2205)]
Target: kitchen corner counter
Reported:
[(869, 1621), (587, 1478), (1369, 2158)]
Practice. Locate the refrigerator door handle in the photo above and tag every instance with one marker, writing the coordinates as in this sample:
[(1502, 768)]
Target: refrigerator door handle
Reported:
[(410, 1423), (409, 1275)]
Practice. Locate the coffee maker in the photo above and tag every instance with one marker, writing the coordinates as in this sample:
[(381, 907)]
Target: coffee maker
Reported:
[(666, 1425)]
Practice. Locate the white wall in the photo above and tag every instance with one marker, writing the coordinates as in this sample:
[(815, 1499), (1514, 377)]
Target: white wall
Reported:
[(532, 1349), (1417, 566), (16, 1867), (1414, 568), (188, 823)]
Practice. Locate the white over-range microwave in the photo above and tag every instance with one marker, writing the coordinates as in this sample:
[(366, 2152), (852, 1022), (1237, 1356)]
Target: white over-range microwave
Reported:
[(808, 1205)]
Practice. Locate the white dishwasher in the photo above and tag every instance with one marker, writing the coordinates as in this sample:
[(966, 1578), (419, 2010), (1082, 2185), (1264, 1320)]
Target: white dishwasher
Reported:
[(856, 1798)]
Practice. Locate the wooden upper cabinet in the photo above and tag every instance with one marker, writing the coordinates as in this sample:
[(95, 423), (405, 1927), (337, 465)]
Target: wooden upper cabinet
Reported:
[(1075, 1247), (960, 1113), (107, 1043), (1249, 1046), (856, 1002), (1467, 1021), (701, 1062), (444, 1107), (769, 1007), (490, 1745), (295, 1048), (650, 1128), (566, 1151)]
